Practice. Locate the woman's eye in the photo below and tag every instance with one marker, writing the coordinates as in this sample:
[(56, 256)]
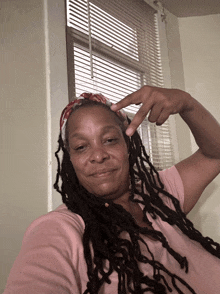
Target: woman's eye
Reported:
[(111, 140), (80, 148)]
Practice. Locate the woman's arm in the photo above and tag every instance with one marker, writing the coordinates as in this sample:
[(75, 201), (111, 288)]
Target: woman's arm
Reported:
[(202, 167), (51, 258)]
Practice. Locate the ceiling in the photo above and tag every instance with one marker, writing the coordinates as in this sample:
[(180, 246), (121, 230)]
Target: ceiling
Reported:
[(185, 8)]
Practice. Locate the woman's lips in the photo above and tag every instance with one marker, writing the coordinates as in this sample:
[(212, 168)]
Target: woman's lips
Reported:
[(103, 173)]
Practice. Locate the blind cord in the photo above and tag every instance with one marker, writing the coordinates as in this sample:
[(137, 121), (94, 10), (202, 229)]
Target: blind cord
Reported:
[(90, 39)]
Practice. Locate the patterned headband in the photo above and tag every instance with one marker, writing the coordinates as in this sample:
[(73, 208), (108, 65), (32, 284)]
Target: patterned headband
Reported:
[(78, 101)]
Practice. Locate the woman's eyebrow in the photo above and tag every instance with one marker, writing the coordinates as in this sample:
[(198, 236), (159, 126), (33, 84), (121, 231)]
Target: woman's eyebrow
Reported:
[(110, 128), (104, 130), (76, 135)]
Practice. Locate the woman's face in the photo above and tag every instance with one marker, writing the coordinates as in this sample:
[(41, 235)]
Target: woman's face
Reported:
[(99, 152)]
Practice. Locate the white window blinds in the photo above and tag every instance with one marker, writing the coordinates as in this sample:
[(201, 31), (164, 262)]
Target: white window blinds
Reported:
[(113, 49)]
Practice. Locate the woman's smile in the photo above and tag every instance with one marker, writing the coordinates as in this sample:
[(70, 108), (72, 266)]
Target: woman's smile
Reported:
[(103, 173)]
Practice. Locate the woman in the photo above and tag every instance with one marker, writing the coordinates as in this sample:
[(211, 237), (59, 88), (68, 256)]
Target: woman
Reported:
[(123, 228)]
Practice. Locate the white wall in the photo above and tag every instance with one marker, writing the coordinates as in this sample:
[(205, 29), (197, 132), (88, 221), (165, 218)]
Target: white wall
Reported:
[(33, 77), (177, 80), (194, 54), (200, 45)]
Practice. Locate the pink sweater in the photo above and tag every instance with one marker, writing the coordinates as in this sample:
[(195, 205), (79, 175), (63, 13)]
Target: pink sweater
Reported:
[(51, 259)]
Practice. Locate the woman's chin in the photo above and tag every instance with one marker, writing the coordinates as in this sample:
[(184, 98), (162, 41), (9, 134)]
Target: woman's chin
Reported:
[(109, 192)]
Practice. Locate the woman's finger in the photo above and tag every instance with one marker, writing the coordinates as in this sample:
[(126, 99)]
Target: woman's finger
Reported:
[(162, 118), (140, 96), (155, 113), (138, 118), (129, 99)]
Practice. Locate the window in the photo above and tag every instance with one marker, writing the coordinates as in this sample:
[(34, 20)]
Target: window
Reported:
[(113, 48)]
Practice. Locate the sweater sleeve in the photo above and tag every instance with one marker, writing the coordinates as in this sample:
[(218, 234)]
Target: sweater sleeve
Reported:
[(50, 257)]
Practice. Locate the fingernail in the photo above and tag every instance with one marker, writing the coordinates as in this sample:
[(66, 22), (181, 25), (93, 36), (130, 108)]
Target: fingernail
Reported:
[(129, 132), (113, 107)]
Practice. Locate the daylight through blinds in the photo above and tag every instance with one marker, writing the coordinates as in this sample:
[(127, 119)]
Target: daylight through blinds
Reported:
[(114, 49)]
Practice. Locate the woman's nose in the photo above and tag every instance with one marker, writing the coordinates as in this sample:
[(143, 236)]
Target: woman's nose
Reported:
[(98, 154)]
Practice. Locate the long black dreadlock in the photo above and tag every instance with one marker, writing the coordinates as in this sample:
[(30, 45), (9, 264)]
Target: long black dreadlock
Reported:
[(104, 226)]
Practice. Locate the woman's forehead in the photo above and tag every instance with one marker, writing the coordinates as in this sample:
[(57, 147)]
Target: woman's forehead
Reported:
[(95, 116)]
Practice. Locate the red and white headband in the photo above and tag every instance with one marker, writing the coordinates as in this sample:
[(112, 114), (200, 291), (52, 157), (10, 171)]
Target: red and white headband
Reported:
[(78, 101)]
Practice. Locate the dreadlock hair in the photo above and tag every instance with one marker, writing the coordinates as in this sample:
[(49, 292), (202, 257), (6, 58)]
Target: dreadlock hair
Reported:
[(104, 224)]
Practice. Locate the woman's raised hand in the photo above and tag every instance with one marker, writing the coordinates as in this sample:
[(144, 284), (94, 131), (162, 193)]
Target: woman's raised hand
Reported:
[(159, 103)]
